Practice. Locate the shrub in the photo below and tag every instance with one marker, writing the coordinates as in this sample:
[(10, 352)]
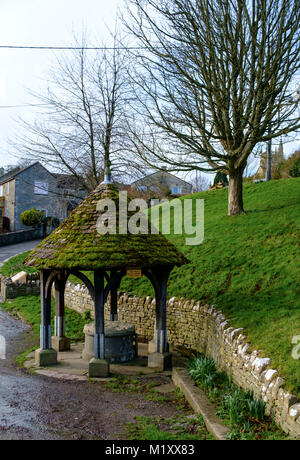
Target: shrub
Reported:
[(289, 167), (220, 177), (32, 218), (295, 169)]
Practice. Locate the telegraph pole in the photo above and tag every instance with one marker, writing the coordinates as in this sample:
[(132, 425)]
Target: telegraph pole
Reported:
[(269, 160)]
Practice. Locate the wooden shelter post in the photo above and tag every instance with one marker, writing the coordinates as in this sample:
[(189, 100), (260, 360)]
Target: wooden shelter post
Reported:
[(114, 304), (59, 341), (99, 366), (45, 355), (161, 358), (113, 300), (161, 344)]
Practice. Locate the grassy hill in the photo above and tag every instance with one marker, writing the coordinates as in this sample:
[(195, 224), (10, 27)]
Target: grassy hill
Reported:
[(249, 266)]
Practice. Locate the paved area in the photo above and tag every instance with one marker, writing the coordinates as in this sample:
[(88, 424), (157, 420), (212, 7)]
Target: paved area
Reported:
[(11, 250), (71, 366)]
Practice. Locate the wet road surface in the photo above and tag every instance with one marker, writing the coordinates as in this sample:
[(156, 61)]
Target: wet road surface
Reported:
[(36, 407)]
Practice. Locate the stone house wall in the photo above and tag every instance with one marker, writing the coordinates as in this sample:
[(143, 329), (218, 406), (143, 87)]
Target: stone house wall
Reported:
[(9, 201), (26, 198), (203, 328)]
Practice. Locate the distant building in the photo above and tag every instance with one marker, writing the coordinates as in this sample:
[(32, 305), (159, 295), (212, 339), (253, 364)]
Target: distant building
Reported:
[(163, 183), (277, 158), (32, 187)]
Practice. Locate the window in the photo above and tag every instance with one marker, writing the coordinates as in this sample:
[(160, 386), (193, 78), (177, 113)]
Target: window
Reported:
[(41, 188), (176, 190), (142, 188), (1, 190)]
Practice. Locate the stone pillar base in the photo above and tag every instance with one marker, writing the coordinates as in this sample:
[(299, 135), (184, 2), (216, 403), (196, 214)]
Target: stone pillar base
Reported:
[(98, 368), (162, 361), (45, 358), (152, 347), (61, 343)]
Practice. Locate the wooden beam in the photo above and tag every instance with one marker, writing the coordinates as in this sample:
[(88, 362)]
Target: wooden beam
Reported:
[(45, 331), (99, 314)]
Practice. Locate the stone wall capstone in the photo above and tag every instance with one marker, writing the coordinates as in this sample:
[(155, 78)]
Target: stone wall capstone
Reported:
[(204, 329)]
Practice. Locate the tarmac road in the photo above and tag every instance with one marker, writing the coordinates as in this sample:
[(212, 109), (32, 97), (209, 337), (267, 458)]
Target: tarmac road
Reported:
[(11, 250)]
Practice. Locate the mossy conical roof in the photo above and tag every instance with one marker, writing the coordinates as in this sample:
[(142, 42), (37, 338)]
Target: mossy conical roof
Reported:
[(76, 243)]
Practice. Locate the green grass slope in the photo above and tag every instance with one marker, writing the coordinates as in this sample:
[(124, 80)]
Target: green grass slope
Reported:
[(249, 266), (15, 265)]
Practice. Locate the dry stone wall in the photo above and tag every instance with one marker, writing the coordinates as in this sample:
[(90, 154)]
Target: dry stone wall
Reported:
[(11, 290), (204, 329)]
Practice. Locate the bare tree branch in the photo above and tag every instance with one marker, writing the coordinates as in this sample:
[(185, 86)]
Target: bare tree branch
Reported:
[(85, 118)]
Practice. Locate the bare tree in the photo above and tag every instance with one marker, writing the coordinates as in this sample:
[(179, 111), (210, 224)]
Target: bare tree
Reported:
[(213, 78), (82, 117), (200, 183)]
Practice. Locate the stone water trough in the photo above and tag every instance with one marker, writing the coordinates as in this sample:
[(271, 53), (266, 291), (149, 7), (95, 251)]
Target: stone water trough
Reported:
[(120, 341)]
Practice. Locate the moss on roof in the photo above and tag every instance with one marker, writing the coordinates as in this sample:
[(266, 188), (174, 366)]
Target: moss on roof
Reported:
[(76, 243)]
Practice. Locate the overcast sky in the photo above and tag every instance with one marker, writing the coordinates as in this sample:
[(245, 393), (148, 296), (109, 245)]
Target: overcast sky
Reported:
[(43, 23)]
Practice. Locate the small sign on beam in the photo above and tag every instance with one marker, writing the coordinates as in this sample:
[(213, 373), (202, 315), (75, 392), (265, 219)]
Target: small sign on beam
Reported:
[(134, 272)]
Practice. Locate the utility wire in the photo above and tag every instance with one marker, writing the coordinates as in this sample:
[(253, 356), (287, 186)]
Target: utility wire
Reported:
[(17, 47), (21, 105)]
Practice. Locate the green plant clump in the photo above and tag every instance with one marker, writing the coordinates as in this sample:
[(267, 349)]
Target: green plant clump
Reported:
[(244, 414), (176, 429)]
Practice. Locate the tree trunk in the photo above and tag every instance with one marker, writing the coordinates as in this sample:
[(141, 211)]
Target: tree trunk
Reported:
[(235, 193)]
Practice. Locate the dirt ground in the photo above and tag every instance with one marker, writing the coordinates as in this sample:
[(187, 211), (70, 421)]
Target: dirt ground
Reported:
[(36, 407)]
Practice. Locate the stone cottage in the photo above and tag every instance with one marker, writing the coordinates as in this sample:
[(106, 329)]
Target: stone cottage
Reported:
[(161, 182), (30, 187)]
